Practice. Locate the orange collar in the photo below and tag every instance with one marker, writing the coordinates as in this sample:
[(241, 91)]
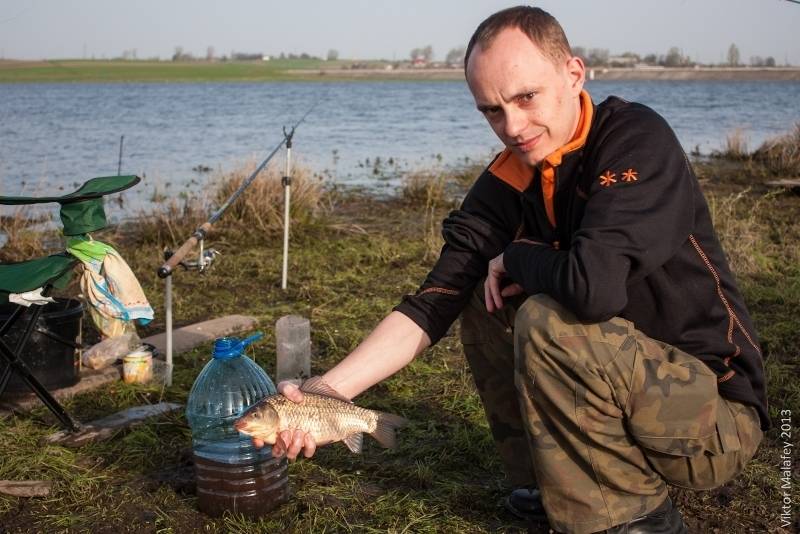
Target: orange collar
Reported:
[(518, 175), (581, 132)]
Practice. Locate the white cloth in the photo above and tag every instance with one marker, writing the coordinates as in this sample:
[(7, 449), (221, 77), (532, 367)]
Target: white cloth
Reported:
[(30, 297)]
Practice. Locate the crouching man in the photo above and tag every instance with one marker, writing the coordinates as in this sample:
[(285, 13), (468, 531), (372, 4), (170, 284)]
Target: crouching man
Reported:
[(609, 343)]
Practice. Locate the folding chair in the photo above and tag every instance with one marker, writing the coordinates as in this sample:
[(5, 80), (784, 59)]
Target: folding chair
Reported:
[(81, 212)]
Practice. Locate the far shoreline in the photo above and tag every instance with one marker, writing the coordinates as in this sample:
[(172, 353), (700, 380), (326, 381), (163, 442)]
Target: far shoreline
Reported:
[(678, 74), (121, 71)]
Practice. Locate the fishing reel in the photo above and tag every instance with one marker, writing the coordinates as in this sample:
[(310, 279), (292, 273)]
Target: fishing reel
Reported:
[(205, 259)]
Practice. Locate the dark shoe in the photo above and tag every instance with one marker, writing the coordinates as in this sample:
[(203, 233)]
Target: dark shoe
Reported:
[(666, 519), (526, 504)]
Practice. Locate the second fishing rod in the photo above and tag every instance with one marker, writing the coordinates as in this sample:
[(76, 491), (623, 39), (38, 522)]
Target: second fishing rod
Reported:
[(200, 233)]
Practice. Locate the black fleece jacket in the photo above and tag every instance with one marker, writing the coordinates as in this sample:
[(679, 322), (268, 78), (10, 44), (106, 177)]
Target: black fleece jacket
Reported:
[(632, 238)]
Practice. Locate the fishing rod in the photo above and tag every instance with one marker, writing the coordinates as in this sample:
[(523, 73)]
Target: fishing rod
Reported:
[(200, 233), (207, 257)]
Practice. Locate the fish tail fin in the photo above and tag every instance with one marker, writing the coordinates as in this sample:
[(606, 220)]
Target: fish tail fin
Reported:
[(384, 432)]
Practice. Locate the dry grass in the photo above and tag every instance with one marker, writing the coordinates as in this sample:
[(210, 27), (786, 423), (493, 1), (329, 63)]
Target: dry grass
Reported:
[(430, 192), (777, 156), (24, 240), (168, 223), (258, 212), (781, 155), (423, 188), (260, 208), (735, 146)]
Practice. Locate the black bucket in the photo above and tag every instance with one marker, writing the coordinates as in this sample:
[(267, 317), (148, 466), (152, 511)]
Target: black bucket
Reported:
[(52, 360)]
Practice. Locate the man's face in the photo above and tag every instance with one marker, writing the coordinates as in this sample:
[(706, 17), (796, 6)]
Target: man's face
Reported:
[(531, 103)]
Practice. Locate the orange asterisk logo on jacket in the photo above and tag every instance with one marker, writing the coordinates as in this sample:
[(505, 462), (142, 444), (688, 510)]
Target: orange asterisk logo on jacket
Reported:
[(607, 178), (630, 176)]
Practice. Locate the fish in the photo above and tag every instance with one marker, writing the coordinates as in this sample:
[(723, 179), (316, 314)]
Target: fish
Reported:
[(326, 415)]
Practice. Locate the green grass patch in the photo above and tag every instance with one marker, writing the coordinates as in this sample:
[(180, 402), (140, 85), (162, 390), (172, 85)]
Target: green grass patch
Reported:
[(152, 71)]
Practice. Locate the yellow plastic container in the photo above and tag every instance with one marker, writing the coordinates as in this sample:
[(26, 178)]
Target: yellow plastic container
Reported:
[(137, 367)]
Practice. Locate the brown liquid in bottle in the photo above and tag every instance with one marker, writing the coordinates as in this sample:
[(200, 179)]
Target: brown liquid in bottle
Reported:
[(251, 489)]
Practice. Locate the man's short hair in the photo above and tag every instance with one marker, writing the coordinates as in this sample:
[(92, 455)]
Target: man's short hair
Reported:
[(539, 25)]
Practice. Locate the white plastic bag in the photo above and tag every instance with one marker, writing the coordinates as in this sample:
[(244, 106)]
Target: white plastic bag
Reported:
[(110, 350)]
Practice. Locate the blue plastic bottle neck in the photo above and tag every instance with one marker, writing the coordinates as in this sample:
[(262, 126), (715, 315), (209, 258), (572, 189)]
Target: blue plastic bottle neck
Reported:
[(227, 348)]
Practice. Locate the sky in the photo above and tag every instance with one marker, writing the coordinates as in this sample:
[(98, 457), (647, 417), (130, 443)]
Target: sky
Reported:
[(388, 29)]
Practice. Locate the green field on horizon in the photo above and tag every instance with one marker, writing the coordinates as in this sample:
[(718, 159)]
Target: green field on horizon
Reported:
[(155, 71)]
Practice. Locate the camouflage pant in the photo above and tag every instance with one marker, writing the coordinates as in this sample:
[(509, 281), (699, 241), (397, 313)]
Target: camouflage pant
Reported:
[(610, 416)]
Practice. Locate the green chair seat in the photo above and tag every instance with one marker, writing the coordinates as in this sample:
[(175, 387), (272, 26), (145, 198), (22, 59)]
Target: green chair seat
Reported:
[(29, 275)]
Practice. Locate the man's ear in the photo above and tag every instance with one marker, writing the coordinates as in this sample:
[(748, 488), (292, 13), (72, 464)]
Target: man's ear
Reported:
[(576, 72)]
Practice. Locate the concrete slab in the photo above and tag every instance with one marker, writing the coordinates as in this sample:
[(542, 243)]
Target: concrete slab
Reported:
[(792, 184), (104, 428), (26, 488), (188, 337)]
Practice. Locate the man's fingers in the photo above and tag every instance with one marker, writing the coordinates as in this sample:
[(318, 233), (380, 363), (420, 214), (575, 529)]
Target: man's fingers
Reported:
[(258, 443), (511, 290), (487, 297), (279, 449), (309, 446), (494, 290), (296, 445), (291, 391)]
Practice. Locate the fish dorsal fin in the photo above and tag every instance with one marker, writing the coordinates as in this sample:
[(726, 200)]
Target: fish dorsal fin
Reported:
[(318, 386), (354, 442)]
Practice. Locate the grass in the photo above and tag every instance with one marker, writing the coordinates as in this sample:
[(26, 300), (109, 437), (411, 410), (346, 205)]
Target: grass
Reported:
[(72, 70), (779, 156), (352, 259), (23, 239), (150, 71)]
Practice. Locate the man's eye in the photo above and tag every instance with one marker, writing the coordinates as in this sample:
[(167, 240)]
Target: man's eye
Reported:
[(491, 111), (527, 97)]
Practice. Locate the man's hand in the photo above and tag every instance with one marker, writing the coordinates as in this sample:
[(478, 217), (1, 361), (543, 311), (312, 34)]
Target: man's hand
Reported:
[(493, 294), (291, 441)]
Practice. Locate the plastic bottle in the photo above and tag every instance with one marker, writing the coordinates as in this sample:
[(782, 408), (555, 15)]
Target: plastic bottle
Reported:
[(232, 474)]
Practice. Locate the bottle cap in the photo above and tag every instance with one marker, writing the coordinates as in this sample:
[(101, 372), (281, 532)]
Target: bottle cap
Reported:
[(226, 348)]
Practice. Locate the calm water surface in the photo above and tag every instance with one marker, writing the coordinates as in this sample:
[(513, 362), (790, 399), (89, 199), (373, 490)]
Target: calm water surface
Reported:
[(57, 135)]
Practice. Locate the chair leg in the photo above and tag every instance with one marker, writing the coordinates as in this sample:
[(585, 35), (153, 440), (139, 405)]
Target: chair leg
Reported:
[(14, 363), (19, 310), (4, 376)]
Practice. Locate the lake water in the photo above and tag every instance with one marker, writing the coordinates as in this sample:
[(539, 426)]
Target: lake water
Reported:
[(57, 135)]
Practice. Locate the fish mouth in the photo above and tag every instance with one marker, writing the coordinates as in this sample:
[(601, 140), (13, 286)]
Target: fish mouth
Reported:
[(239, 425)]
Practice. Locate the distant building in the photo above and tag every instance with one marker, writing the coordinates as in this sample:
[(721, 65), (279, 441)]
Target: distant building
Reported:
[(419, 61), (242, 56)]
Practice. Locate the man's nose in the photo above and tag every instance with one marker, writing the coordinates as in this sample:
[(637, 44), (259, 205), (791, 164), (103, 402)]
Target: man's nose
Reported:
[(515, 122)]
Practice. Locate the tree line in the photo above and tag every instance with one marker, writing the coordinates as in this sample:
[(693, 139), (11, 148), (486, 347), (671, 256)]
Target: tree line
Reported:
[(602, 57), (592, 57)]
